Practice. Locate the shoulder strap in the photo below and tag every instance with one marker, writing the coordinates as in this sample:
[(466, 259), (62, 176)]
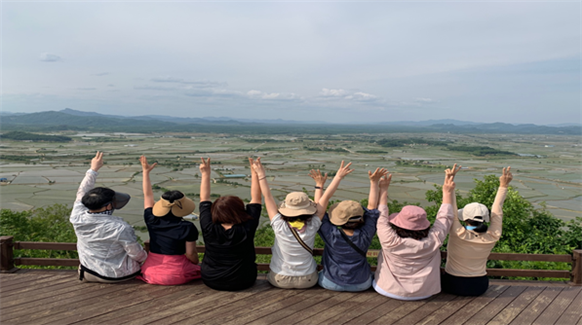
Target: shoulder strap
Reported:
[(347, 239), (299, 240)]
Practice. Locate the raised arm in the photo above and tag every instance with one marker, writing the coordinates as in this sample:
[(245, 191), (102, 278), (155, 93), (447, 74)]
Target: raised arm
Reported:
[(497, 208), (205, 181), (319, 183), (148, 194), (255, 187), (272, 209), (449, 185), (88, 181), (342, 172), (374, 180)]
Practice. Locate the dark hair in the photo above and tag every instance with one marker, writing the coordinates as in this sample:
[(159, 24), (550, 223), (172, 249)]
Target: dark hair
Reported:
[(229, 209), (172, 196), (353, 224), (481, 227), (304, 217), (97, 198), (414, 234)]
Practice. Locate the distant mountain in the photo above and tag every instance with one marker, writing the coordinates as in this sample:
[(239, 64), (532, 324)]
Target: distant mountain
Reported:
[(70, 119)]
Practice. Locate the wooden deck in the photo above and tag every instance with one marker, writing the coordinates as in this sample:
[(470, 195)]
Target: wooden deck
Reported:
[(56, 297)]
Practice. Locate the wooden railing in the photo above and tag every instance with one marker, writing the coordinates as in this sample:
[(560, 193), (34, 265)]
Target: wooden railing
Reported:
[(8, 262)]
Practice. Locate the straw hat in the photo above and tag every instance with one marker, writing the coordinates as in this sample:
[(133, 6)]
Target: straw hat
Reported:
[(179, 208), (340, 213)]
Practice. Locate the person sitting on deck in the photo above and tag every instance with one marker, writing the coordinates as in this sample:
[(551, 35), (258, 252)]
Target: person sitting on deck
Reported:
[(470, 245), (348, 231), (295, 223), (409, 265), (107, 245), (173, 258), (228, 228)]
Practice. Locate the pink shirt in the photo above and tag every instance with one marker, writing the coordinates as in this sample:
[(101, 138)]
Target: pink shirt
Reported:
[(408, 267)]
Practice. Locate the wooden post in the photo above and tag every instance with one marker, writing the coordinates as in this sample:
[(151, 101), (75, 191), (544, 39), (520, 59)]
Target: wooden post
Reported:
[(7, 255), (576, 275)]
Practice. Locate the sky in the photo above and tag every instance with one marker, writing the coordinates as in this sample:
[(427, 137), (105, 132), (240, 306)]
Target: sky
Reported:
[(339, 62)]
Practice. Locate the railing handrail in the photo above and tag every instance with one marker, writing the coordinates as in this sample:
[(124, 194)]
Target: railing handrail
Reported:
[(8, 262)]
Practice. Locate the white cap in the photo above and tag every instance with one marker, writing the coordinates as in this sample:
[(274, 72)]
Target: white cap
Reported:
[(474, 211)]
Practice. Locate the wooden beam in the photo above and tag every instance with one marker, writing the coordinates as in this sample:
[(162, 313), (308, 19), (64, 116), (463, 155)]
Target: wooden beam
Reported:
[(47, 246), (46, 261), (530, 273), (7, 255)]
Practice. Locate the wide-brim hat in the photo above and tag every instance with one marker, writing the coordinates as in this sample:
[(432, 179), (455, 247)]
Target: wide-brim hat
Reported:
[(474, 211), (296, 204), (179, 208), (340, 213), (410, 217), (120, 200)]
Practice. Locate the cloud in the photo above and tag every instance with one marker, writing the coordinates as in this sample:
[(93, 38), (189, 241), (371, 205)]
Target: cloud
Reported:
[(361, 96), (256, 94), (110, 85), (101, 74), (199, 83), (49, 57), (155, 88), (425, 100), (332, 92), (86, 88)]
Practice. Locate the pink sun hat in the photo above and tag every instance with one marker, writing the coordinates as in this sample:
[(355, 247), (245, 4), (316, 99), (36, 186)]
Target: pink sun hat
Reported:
[(410, 217)]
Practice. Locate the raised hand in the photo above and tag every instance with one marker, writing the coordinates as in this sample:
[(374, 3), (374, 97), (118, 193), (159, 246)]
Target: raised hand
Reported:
[(251, 162), (385, 182), (343, 171), (506, 177), (318, 178), (258, 168), (449, 185), (378, 173), (145, 167), (205, 166), (97, 161)]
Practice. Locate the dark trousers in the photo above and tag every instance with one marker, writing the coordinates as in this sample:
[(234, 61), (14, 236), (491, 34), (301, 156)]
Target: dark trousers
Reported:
[(462, 286)]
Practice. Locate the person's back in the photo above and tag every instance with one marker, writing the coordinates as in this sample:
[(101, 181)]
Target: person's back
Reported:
[(228, 228), (107, 245), (409, 265), (469, 246)]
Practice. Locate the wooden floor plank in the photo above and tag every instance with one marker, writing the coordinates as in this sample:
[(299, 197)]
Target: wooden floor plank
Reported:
[(8, 281), (439, 301), (243, 308), (296, 305), (517, 306), (281, 308), (551, 314), (494, 307), (43, 296), (574, 312), (539, 304), (349, 316), (401, 311), (461, 310), (315, 308), (211, 301), (350, 309), (371, 315), (32, 283), (185, 293)]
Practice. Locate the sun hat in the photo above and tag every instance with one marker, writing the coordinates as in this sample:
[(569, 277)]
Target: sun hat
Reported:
[(120, 200), (296, 204), (410, 217), (474, 211), (340, 213), (180, 208)]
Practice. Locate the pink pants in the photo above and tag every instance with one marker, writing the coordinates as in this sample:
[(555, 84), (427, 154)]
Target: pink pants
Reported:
[(168, 270)]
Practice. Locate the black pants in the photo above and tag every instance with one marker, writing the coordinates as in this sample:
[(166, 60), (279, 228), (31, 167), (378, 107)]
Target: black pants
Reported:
[(461, 286)]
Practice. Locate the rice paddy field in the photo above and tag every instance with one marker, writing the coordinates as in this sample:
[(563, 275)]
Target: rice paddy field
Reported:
[(547, 168)]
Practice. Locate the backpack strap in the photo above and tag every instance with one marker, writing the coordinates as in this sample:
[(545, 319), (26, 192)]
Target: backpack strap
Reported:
[(347, 239), (299, 240)]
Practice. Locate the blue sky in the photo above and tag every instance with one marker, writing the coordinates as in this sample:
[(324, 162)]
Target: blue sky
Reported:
[(344, 62)]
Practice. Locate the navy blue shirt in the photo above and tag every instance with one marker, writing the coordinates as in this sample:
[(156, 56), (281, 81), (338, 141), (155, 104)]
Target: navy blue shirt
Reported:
[(169, 234), (342, 264)]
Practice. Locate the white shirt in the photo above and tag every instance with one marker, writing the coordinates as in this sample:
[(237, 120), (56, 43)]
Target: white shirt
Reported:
[(289, 257), (106, 244)]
